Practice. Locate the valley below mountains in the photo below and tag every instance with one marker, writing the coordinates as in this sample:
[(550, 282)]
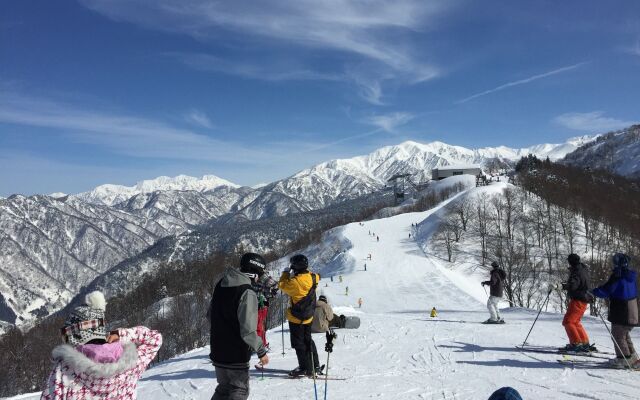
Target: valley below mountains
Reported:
[(52, 247)]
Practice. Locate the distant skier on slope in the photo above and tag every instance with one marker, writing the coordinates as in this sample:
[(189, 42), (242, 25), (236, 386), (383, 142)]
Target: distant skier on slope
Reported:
[(233, 314), (94, 364), (322, 316), (496, 291), (300, 285), (622, 292), (577, 287)]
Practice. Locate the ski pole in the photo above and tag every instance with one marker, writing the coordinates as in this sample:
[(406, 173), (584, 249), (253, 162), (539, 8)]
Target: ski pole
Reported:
[(328, 348), (282, 330), (485, 290), (615, 341), (315, 387), (535, 320)]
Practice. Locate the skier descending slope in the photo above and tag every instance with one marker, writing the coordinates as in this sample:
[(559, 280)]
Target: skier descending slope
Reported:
[(300, 285), (622, 291), (234, 317), (496, 285), (93, 365), (577, 288)]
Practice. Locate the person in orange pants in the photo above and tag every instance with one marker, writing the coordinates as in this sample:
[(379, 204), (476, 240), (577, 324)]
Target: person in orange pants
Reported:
[(577, 287)]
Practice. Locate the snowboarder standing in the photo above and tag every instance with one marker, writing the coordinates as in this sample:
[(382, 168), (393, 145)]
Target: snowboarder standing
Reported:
[(322, 316), (94, 364), (233, 314), (360, 302), (622, 292), (496, 291), (300, 285), (577, 287)]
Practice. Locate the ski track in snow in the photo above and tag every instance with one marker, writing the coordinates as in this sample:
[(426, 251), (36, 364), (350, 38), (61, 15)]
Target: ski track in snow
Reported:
[(399, 352)]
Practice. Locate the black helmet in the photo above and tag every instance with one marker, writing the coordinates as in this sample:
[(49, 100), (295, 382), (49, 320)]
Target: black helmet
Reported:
[(299, 262), (494, 264), (323, 298), (252, 263), (573, 259), (621, 260)]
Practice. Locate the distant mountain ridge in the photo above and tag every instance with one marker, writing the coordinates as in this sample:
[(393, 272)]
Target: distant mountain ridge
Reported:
[(112, 194), (617, 152)]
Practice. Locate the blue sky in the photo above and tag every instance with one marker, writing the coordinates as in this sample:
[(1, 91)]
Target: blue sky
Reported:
[(115, 91)]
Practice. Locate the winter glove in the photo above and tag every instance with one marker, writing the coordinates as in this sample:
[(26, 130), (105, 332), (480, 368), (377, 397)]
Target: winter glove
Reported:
[(564, 286)]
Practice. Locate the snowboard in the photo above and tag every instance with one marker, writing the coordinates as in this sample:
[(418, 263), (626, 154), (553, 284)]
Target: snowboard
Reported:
[(347, 322), (489, 322)]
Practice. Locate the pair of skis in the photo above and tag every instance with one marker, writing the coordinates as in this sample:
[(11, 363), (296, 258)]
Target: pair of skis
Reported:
[(285, 374), (594, 359)]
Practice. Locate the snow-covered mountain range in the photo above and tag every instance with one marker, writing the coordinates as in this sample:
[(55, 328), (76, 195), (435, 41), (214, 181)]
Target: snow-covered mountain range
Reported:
[(51, 247), (113, 194), (618, 152)]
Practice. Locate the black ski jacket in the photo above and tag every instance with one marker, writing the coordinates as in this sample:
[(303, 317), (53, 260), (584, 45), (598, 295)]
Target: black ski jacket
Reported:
[(496, 282), (579, 283)]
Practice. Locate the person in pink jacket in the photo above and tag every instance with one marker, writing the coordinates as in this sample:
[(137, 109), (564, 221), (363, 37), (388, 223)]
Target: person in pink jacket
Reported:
[(94, 365)]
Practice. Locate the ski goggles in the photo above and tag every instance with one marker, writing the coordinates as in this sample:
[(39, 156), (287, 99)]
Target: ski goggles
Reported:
[(82, 326)]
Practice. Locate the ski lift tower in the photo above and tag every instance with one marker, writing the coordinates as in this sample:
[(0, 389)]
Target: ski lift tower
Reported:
[(400, 184)]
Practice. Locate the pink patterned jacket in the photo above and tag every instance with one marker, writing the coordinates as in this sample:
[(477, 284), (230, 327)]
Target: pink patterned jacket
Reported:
[(78, 377)]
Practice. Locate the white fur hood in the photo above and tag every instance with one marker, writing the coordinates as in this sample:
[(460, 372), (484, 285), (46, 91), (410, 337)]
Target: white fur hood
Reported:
[(80, 363)]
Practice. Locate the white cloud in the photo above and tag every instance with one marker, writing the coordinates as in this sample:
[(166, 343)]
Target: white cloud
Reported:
[(376, 34), (522, 81), (633, 50), (591, 122), (263, 71), (198, 118), (389, 122), (122, 134)]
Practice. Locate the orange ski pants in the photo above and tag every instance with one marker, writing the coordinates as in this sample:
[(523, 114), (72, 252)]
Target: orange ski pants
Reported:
[(571, 322)]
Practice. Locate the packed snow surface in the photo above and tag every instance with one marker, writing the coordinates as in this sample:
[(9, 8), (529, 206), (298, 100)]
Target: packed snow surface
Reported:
[(399, 352)]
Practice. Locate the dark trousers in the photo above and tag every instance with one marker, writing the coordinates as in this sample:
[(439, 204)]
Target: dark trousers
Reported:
[(233, 384), (304, 345)]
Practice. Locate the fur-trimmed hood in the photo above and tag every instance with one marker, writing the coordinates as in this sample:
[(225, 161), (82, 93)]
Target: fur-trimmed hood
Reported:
[(80, 363)]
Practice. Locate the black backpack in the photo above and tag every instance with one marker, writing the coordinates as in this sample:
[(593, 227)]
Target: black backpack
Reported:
[(305, 308)]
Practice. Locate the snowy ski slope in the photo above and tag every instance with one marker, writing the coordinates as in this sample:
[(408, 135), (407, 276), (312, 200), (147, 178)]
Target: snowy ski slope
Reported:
[(399, 352)]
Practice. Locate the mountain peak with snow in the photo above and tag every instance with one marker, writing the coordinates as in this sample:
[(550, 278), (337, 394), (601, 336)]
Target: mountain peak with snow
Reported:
[(110, 194)]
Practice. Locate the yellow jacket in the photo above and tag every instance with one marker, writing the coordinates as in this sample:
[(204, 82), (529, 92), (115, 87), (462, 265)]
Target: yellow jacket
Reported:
[(296, 288)]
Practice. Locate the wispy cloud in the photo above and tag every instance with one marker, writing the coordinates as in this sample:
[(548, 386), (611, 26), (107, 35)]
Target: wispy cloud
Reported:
[(199, 118), (634, 49), (123, 134), (522, 81), (262, 71), (368, 33), (389, 122), (594, 121)]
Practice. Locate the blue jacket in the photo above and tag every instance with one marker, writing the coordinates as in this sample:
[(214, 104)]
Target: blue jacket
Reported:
[(620, 286), (622, 293)]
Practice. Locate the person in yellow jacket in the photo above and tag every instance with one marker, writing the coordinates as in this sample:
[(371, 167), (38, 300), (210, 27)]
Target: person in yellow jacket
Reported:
[(300, 285)]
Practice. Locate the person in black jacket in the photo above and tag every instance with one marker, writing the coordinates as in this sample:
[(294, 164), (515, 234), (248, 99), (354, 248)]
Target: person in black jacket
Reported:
[(496, 285), (577, 287), (233, 314)]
